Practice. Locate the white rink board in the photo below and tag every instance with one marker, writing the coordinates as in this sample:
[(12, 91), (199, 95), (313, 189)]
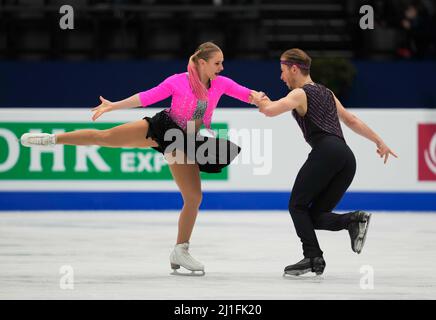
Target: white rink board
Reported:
[(287, 153)]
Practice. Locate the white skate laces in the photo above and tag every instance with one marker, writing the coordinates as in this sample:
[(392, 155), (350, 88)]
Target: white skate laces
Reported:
[(38, 139), (181, 257)]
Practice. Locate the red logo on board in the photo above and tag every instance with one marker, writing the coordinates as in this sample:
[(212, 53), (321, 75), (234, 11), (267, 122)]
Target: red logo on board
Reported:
[(427, 152)]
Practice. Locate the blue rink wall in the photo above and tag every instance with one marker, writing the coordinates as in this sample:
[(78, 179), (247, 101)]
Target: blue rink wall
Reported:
[(78, 84), (44, 201)]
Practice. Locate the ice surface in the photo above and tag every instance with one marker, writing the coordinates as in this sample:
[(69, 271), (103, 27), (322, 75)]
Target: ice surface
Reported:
[(125, 255)]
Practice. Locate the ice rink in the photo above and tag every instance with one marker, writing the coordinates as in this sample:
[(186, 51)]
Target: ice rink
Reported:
[(125, 255)]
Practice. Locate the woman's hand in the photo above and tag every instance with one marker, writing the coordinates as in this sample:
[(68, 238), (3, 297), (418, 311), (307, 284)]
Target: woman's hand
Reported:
[(105, 106), (256, 96), (384, 151), (260, 97)]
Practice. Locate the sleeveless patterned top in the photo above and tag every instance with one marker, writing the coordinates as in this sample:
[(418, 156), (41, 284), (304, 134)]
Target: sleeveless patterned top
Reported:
[(321, 117)]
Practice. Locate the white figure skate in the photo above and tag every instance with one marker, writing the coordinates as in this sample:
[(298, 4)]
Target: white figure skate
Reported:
[(181, 257), (38, 139)]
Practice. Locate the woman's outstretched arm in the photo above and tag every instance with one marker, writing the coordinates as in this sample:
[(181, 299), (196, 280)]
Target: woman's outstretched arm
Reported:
[(145, 98), (106, 105), (237, 91)]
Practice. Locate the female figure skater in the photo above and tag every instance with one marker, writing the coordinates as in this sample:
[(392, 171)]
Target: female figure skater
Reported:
[(195, 95), (330, 167)]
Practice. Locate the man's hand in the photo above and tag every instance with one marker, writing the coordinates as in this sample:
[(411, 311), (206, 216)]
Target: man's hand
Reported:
[(384, 151)]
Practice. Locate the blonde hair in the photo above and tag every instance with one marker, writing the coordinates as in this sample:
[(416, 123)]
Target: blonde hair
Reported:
[(297, 57), (205, 52)]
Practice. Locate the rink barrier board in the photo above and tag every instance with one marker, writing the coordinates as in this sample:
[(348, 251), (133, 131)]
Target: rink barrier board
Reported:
[(253, 201), (273, 158), (404, 184)]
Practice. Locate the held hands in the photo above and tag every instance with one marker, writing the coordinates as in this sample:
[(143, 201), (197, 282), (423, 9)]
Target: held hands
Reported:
[(384, 151), (105, 106), (258, 98)]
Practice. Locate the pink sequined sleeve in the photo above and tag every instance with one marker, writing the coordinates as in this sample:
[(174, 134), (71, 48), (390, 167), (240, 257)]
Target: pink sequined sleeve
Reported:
[(158, 93), (235, 90)]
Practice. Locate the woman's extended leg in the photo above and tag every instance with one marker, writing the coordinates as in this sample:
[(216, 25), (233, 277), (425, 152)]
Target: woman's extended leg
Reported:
[(132, 134)]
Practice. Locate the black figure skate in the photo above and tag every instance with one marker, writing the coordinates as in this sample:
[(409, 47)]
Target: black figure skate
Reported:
[(316, 265), (358, 229)]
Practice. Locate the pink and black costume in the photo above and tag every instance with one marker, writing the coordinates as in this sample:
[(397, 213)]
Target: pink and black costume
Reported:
[(186, 107)]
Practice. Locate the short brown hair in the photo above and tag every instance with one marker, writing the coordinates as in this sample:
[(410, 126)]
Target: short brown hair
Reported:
[(299, 58)]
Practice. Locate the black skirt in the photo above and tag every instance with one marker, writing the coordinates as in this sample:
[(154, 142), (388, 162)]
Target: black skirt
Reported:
[(211, 154)]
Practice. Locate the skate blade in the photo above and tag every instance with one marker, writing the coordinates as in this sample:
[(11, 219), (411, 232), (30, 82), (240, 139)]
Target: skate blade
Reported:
[(300, 276), (195, 273), (362, 236), (38, 146), (297, 273)]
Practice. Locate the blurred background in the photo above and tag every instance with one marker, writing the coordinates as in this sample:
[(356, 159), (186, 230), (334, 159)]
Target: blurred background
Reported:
[(118, 47)]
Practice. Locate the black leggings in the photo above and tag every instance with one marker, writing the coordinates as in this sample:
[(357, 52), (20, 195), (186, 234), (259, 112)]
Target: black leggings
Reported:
[(318, 188)]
